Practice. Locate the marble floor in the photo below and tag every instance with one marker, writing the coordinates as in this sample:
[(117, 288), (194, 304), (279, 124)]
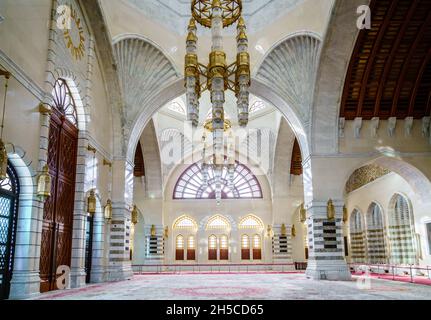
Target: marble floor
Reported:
[(273, 286)]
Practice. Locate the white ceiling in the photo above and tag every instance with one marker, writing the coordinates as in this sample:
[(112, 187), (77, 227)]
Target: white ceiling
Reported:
[(175, 14)]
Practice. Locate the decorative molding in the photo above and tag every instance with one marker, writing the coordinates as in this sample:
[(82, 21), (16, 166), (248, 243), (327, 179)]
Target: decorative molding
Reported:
[(392, 124), (426, 126), (408, 126), (375, 126), (291, 70), (341, 126), (143, 69), (100, 149), (19, 74), (365, 175), (357, 126)]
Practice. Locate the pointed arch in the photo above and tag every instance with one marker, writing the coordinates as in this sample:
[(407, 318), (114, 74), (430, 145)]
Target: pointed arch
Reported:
[(401, 230), (357, 236), (217, 222), (185, 222), (376, 242), (251, 222)]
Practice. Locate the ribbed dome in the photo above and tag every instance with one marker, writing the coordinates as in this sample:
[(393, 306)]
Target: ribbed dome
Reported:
[(143, 70), (291, 69)]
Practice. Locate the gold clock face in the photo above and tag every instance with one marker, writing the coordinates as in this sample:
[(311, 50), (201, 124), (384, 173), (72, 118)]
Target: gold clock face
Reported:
[(74, 37)]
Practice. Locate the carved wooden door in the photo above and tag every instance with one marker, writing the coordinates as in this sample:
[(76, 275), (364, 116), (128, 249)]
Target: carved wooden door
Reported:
[(56, 246)]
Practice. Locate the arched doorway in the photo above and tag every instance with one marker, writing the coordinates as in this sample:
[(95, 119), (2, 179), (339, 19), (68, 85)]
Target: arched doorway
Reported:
[(56, 244), (9, 192)]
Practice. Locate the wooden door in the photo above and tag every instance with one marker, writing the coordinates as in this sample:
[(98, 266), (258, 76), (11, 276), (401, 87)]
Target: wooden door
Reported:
[(212, 254), (245, 254), (257, 254), (191, 254), (224, 254), (179, 254), (56, 246)]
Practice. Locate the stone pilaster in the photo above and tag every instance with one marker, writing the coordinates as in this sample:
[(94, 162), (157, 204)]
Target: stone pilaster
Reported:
[(325, 237), (154, 245), (120, 267)]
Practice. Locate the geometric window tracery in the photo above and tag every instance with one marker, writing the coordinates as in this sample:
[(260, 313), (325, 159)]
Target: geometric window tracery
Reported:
[(190, 185), (251, 222), (185, 222), (217, 222), (9, 191), (64, 101)]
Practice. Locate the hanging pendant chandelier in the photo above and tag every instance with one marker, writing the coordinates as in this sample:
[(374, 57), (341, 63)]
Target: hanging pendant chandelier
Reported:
[(217, 77), (218, 165)]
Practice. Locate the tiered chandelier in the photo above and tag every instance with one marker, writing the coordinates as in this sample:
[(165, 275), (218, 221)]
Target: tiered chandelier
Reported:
[(217, 77)]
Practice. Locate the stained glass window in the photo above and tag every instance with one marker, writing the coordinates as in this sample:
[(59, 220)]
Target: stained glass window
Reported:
[(191, 186), (64, 101)]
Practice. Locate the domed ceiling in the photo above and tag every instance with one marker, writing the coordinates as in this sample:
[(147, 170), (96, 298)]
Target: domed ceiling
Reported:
[(175, 14)]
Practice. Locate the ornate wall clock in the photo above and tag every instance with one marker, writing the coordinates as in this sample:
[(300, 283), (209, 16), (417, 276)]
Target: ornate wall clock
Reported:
[(74, 37)]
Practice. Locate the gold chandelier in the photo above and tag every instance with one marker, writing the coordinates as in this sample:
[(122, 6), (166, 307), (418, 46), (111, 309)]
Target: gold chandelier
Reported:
[(218, 76)]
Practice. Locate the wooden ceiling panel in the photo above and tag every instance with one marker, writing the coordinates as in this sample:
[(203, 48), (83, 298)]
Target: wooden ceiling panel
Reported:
[(389, 72)]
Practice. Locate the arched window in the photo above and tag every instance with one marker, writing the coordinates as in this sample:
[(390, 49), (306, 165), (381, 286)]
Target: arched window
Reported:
[(185, 222), (212, 247), (9, 191), (257, 247), (245, 247), (224, 248), (401, 231), (218, 222), (191, 248), (179, 248), (376, 247), (64, 102), (251, 222), (357, 237), (191, 186)]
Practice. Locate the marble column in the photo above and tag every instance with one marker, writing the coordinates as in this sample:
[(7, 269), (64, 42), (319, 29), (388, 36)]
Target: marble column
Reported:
[(325, 237)]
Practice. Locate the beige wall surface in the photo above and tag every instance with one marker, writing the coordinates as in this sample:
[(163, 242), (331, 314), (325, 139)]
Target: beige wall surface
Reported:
[(381, 192)]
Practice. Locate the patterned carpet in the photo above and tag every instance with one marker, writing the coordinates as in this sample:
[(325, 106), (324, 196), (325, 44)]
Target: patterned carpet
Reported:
[(243, 287)]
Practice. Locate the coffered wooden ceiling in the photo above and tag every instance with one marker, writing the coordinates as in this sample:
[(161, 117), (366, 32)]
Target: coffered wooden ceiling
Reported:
[(390, 70)]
